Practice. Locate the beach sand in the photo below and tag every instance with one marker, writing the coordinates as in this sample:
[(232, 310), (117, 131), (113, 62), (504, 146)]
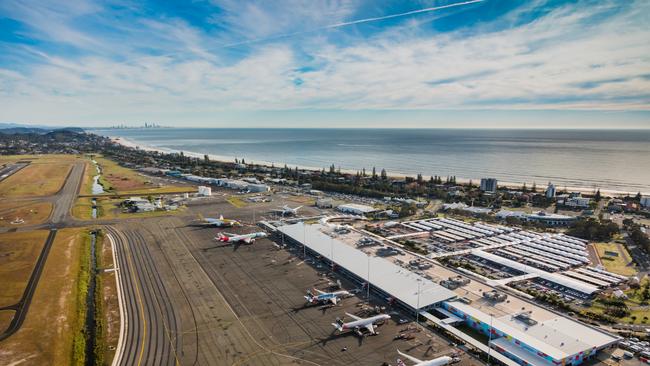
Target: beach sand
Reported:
[(460, 180)]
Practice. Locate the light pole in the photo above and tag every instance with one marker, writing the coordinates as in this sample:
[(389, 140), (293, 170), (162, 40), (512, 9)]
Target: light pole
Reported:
[(368, 282), (304, 240), (332, 254), (417, 312), (489, 340)]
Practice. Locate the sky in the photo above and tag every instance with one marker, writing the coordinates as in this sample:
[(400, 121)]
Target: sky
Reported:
[(329, 63)]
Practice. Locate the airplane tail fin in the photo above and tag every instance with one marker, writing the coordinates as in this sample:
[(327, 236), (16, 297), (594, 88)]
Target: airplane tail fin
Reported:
[(220, 217), (338, 326), (221, 237)]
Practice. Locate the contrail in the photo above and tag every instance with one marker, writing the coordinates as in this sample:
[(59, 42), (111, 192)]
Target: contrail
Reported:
[(353, 22), (425, 10)]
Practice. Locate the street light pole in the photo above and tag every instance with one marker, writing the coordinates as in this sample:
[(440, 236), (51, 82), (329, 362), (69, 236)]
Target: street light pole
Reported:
[(489, 340), (417, 313), (368, 283), (331, 254), (304, 240)]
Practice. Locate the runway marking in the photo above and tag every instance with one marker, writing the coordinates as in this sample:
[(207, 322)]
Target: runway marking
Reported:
[(144, 320), (118, 283)]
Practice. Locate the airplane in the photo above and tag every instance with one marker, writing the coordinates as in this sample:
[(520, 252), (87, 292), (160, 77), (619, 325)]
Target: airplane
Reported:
[(322, 296), (287, 211), (358, 323), (220, 222), (440, 361), (243, 238)]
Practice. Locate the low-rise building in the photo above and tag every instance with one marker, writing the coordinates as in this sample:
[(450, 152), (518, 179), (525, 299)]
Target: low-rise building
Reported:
[(324, 203), (356, 209), (205, 191)]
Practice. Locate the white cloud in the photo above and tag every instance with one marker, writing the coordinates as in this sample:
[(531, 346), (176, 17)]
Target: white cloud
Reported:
[(560, 61)]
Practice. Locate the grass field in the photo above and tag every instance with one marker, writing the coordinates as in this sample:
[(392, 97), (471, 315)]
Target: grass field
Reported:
[(46, 337), (36, 179), (18, 254), (117, 178), (236, 201), (31, 212), (5, 318), (617, 264)]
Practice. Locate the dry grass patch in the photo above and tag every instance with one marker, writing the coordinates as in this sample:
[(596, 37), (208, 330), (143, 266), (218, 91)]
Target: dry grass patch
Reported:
[(36, 179), (615, 264), (5, 318), (117, 178), (32, 212), (46, 337), (18, 254)]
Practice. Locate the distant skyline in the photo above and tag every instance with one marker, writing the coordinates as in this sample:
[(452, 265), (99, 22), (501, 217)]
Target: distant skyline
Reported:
[(292, 63)]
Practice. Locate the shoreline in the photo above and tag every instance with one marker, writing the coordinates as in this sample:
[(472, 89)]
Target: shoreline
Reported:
[(392, 174)]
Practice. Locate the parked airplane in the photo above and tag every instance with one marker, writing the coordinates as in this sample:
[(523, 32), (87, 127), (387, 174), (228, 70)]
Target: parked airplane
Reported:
[(243, 238), (220, 222), (287, 211), (358, 323), (322, 296), (440, 361)]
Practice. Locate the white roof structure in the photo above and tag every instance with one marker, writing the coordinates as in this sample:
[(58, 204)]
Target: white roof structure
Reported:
[(558, 337), (357, 208), (396, 281), (553, 277)]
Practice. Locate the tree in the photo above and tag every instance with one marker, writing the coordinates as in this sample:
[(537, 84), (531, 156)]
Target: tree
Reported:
[(523, 188), (374, 173), (384, 176), (597, 196), (638, 197), (419, 179), (364, 172), (332, 169), (470, 185), (533, 188), (206, 158), (242, 161)]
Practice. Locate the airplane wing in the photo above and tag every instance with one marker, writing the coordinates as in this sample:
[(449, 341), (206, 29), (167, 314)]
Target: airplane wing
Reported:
[(409, 357), (334, 299), (353, 316), (249, 240), (370, 328)]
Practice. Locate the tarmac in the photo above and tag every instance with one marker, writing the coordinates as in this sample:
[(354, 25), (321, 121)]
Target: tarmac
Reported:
[(190, 300)]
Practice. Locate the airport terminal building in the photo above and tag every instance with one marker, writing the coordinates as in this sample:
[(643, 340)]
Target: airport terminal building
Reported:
[(519, 332), (520, 337), (388, 280)]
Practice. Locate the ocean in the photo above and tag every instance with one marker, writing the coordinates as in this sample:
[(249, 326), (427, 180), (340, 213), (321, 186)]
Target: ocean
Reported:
[(617, 160)]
